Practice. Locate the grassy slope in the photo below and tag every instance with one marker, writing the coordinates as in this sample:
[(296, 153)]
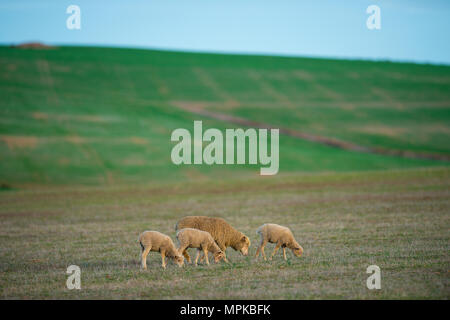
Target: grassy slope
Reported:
[(100, 115), (397, 220)]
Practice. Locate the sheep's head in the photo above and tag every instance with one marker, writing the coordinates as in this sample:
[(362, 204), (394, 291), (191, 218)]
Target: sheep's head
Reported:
[(179, 260), (298, 251), (243, 245), (219, 255)]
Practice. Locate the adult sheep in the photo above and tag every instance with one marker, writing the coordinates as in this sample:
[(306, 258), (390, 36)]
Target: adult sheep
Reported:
[(222, 232)]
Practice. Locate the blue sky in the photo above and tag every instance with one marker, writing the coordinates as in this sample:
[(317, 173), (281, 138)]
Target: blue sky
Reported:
[(410, 30)]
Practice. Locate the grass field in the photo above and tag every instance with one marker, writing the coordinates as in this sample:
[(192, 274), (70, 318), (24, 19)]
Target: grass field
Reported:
[(85, 168), (104, 116), (397, 220)]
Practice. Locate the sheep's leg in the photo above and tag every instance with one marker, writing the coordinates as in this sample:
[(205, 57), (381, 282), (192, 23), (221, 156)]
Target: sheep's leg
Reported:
[(205, 253), (185, 253), (163, 257), (186, 256), (257, 252), (223, 248), (261, 249), (284, 253), (196, 258), (202, 257), (144, 257), (275, 250)]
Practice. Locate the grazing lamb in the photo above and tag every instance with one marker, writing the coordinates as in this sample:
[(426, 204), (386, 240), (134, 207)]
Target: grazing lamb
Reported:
[(202, 240), (158, 242), (280, 235), (222, 232)]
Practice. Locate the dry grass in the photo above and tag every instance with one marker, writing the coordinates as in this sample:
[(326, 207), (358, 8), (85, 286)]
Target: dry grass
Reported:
[(398, 220)]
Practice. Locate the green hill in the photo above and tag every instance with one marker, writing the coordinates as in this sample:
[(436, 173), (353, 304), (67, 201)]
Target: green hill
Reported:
[(72, 115)]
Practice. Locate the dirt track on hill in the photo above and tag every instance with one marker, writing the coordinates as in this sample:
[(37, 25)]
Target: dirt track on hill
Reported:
[(198, 109)]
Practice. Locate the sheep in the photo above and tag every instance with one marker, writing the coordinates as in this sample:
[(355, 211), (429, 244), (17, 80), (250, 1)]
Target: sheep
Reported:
[(222, 232), (158, 242), (280, 235), (202, 240)]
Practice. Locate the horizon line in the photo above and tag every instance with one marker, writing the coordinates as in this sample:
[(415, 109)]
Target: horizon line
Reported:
[(234, 53)]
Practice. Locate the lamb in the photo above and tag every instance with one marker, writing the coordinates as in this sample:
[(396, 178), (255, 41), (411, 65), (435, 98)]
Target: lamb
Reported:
[(280, 235), (158, 242), (222, 232), (202, 240)]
